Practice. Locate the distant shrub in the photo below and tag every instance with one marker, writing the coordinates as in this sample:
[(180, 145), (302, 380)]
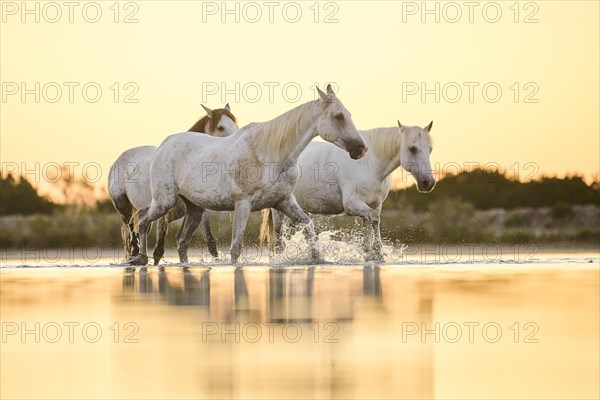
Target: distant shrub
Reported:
[(61, 229), (514, 221), (586, 235), (517, 236), (561, 210), (452, 220), (408, 233)]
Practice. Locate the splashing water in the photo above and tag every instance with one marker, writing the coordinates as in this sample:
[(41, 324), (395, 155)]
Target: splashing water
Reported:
[(335, 247)]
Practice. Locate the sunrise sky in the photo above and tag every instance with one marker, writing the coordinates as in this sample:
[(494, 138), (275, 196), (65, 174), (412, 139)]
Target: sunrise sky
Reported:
[(543, 56)]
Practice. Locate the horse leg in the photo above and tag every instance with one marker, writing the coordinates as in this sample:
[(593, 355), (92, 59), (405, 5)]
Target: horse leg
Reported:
[(125, 208), (378, 245), (161, 232), (147, 216), (355, 206), (134, 245), (208, 236), (290, 208), (368, 236), (278, 227), (193, 216), (240, 220), (162, 228)]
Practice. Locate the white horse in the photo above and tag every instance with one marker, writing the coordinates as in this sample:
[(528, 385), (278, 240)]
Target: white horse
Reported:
[(129, 185), (333, 184), (252, 169)]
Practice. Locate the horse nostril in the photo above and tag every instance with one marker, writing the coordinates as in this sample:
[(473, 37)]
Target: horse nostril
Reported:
[(357, 150)]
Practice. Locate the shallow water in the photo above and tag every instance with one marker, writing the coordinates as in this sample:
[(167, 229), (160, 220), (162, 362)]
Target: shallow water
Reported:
[(466, 327)]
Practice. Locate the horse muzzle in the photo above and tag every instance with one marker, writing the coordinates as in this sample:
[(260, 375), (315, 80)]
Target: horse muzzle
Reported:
[(425, 185), (357, 150)]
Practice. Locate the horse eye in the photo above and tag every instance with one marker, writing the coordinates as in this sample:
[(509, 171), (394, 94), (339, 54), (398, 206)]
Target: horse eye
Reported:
[(339, 116), (412, 149), (221, 128)]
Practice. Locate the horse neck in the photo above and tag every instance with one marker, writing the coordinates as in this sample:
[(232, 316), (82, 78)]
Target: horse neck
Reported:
[(285, 137), (200, 125), (387, 161)]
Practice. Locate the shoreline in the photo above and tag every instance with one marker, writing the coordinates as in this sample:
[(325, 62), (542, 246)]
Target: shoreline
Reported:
[(413, 254)]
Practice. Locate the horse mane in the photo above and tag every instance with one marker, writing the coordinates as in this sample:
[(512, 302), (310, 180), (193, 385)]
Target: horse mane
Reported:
[(211, 123), (273, 136), (385, 142), (199, 125)]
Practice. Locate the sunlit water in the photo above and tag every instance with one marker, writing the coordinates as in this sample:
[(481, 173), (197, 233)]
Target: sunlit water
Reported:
[(429, 323)]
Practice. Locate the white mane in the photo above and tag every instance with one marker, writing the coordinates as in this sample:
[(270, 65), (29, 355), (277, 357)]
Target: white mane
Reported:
[(386, 142), (275, 135)]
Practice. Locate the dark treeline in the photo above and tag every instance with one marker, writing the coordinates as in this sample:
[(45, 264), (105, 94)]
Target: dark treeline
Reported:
[(20, 197), (486, 189)]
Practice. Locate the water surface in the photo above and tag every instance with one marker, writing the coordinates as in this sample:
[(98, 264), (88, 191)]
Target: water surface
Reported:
[(413, 330)]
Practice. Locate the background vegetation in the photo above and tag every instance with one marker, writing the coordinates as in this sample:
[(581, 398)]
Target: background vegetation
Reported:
[(479, 206)]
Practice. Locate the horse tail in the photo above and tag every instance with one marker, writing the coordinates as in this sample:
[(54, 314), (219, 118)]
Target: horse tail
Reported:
[(135, 219), (266, 228)]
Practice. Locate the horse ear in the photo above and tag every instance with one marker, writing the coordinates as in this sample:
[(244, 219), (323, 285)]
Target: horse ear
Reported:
[(208, 110), (227, 107), (329, 89), (428, 127), (400, 126), (322, 95)]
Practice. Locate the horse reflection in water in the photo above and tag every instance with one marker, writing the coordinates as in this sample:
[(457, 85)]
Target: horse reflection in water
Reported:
[(193, 290), (278, 295), (362, 310), (289, 295)]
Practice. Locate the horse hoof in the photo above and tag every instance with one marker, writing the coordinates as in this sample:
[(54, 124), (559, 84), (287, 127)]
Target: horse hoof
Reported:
[(375, 257), (315, 258), (140, 259), (156, 260), (183, 258), (316, 261), (213, 250)]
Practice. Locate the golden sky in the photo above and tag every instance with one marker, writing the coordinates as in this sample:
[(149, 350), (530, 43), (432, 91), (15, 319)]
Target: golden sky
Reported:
[(543, 56)]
